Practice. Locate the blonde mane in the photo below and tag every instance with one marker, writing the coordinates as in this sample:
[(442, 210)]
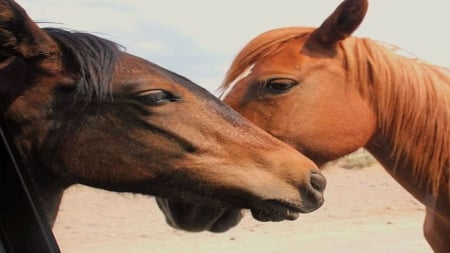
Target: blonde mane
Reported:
[(412, 101), (410, 98)]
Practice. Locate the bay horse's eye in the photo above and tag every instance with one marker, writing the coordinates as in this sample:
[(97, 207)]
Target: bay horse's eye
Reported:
[(156, 97), (279, 85)]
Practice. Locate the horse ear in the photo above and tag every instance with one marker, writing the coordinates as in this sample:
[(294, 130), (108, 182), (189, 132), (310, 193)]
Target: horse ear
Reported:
[(340, 24), (20, 36)]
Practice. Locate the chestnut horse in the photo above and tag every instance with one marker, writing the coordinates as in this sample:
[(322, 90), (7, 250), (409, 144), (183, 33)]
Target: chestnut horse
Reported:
[(327, 94), (81, 110)]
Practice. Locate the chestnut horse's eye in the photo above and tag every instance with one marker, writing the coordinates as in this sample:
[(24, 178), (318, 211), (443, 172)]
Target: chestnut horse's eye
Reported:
[(279, 85), (156, 97)]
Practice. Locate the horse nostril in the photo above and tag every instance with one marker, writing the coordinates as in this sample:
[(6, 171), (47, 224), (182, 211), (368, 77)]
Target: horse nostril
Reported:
[(312, 193), (318, 181)]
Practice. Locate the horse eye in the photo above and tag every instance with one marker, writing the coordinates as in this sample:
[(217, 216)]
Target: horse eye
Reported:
[(156, 97), (279, 85)]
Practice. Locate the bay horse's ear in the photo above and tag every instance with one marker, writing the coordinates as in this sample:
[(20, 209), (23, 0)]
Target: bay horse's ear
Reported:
[(20, 36), (340, 24)]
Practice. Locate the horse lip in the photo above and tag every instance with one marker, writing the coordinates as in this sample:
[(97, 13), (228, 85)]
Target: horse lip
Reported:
[(277, 210)]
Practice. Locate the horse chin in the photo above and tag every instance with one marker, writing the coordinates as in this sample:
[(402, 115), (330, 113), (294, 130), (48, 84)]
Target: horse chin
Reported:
[(229, 219), (197, 217)]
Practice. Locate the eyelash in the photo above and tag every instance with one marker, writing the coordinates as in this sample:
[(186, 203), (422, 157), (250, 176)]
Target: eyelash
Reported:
[(156, 97), (282, 85)]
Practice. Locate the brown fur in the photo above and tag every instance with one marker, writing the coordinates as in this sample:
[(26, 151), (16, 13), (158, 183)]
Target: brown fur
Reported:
[(81, 110)]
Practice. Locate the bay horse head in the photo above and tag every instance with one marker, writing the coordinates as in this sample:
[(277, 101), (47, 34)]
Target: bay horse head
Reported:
[(81, 110), (328, 93)]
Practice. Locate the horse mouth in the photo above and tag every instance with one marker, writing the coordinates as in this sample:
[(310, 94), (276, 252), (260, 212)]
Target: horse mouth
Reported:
[(277, 210)]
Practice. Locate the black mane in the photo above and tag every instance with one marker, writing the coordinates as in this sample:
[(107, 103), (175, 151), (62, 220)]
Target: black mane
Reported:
[(94, 60)]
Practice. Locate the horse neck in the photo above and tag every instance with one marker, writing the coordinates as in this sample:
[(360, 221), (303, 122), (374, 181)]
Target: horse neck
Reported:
[(48, 186), (50, 190), (402, 172), (412, 141)]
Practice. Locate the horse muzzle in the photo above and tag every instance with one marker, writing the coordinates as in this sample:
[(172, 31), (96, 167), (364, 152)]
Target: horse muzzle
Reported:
[(311, 195)]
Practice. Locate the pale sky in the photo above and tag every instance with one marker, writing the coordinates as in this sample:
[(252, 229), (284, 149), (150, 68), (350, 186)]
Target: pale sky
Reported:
[(199, 38)]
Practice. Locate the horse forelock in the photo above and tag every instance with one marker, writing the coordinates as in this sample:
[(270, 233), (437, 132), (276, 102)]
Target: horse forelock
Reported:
[(412, 101), (224, 91), (94, 58), (259, 48)]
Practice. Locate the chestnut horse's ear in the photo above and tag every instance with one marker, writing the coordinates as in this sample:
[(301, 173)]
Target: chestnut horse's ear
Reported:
[(340, 24), (20, 36)]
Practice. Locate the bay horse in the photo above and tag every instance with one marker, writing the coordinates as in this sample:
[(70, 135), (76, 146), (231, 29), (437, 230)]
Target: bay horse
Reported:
[(80, 109), (328, 93)]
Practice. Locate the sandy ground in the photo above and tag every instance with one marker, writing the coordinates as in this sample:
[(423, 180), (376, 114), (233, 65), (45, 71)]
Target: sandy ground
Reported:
[(365, 211)]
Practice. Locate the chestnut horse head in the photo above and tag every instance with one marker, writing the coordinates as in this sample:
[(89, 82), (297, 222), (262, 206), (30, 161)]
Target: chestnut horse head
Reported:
[(81, 110), (328, 93), (292, 83)]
